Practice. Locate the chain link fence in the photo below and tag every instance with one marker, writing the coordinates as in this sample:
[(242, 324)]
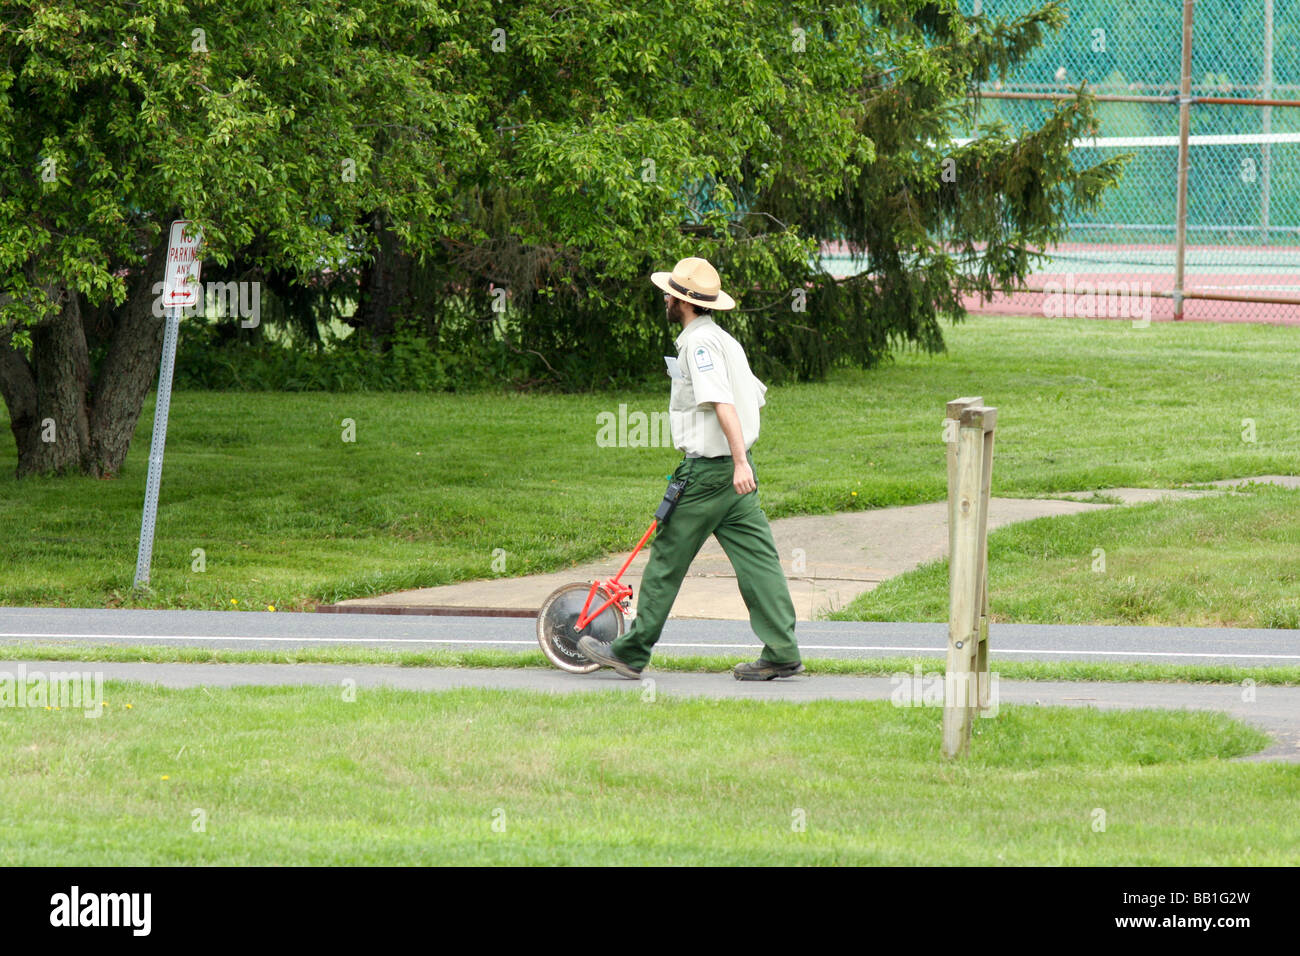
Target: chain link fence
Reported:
[(1240, 247)]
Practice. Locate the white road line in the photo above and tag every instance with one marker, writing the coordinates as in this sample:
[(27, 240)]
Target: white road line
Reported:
[(811, 647), (296, 640), (1020, 650)]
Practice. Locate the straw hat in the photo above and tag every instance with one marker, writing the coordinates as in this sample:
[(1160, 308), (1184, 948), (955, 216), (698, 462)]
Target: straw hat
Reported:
[(693, 280)]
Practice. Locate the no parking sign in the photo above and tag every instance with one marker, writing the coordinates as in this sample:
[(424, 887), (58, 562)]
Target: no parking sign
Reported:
[(181, 281), (180, 290)]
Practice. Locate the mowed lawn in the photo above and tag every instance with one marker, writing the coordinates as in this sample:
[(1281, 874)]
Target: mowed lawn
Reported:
[(1221, 561), (294, 776), (264, 503)]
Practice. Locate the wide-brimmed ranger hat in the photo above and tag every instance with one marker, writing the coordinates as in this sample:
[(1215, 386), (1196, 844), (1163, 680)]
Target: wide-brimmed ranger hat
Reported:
[(693, 280)]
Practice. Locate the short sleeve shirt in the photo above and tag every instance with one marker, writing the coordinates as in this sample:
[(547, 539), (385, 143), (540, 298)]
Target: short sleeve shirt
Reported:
[(712, 368)]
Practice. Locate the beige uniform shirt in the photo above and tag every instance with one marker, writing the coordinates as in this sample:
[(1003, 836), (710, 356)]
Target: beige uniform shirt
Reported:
[(711, 368)]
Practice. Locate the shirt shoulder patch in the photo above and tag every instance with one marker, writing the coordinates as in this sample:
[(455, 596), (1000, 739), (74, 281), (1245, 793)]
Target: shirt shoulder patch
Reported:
[(703, 358)]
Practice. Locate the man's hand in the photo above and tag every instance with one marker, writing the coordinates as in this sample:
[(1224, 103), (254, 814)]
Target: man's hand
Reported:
[(743, 480)]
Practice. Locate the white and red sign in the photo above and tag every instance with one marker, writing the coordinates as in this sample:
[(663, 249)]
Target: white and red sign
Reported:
[(181, 288)]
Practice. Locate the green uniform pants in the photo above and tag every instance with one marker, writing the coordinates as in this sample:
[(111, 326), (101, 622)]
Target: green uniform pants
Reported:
[(709, 505)]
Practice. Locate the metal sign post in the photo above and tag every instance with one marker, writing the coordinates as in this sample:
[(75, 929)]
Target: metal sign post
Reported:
[(180, 290)]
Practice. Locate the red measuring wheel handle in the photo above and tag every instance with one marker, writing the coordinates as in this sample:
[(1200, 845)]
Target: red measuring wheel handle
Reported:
[(618, 591)]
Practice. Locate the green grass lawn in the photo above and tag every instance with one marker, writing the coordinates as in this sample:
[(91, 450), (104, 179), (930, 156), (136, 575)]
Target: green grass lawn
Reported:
[(1141, 671), (436, 487), (1230, 561), (293, 776)]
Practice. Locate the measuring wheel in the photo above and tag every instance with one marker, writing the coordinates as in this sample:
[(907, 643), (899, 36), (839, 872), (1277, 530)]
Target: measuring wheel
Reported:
[(555, 626)]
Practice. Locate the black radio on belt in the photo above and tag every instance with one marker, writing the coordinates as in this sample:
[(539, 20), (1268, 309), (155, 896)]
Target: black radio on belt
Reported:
[(670, 499)]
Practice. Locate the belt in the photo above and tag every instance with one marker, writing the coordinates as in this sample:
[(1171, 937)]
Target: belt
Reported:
[(692, 454)]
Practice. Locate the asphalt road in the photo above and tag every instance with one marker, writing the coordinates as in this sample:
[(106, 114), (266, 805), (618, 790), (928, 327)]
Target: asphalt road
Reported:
[(835, 639), (1276, 710)]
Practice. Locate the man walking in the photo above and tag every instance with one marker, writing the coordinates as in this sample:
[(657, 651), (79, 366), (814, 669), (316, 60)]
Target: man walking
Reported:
[(713, 413)]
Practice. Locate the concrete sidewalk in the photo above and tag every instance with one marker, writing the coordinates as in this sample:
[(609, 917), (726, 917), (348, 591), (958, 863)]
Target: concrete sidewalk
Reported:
[(843, 555), (1276, 710), (829, 559)]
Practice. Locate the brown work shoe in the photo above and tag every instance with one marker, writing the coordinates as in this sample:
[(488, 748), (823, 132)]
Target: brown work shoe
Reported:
[(766, 670), (598, 652)]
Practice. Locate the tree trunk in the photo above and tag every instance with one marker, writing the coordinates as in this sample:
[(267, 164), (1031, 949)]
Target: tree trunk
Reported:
[(18, 385), (385, 284), (54, 431), (127, 373), (59, 421)]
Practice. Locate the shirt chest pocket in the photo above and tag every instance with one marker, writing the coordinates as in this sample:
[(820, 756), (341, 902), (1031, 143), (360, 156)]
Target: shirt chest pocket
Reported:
[(682, 397)]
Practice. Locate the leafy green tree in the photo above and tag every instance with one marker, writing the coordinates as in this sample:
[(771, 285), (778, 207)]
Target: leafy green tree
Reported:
[(517, 170), (275, 126), (745, 132)]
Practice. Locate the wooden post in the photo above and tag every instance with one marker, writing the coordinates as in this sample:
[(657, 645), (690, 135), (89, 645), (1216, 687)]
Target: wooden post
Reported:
[(950, 425), (986, 483), (970, 462)]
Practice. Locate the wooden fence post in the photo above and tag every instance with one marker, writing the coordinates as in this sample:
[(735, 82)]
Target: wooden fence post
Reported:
[(970, 463)]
